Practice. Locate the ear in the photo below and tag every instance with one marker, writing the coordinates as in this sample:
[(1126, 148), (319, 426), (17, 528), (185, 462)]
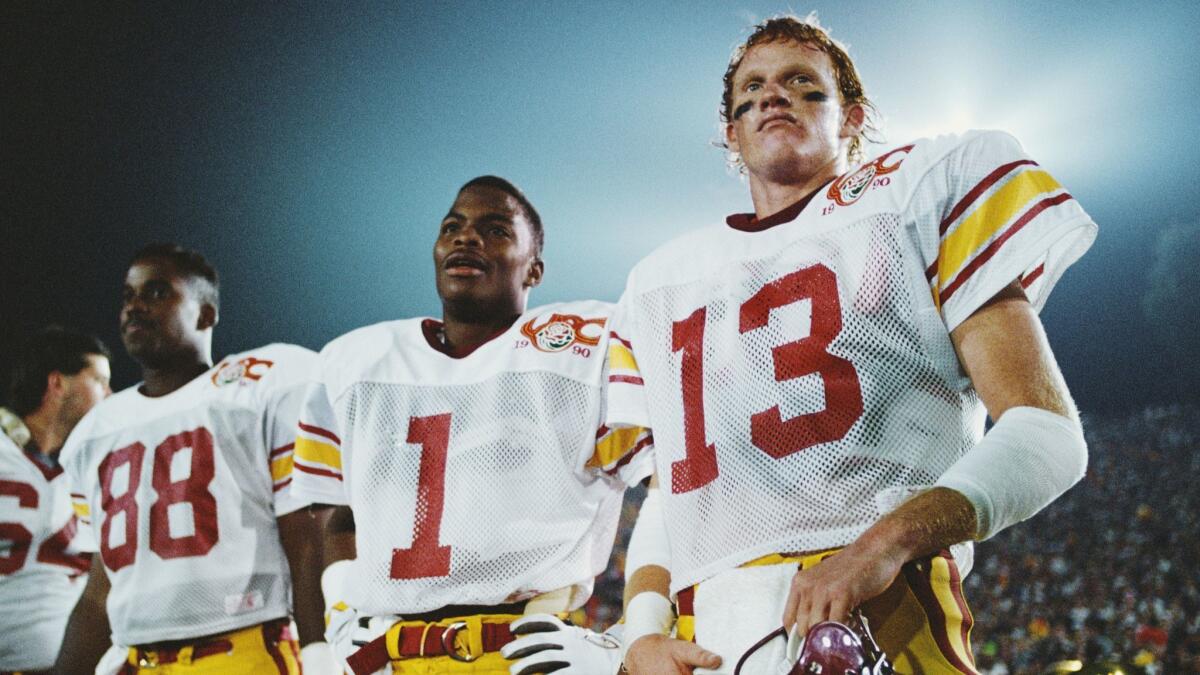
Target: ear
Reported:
[(852, 122), (56, 384), (534, 276), (208, 316), (731, 138)]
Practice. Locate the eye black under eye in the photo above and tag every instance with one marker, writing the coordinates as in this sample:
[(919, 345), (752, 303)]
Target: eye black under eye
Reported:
[(742, 109), (816, 97)]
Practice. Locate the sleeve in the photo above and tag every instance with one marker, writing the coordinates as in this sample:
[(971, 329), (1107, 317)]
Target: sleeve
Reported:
[(282, 413), (625, 397), (318, 459), (987, 215), (84, 540)]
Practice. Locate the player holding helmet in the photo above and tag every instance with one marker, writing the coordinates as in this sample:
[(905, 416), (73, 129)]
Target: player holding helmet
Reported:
[(184, 480), (817, 374), (474, 484)]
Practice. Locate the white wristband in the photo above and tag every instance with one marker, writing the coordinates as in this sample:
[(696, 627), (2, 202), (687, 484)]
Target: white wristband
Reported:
[(648, 543), (1027, 459), (648, 613)]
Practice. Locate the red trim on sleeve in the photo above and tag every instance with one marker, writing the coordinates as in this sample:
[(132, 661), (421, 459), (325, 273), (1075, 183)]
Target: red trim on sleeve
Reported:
[(318, 431), (641, 445), (627, 379), (318, 472), (981, 187), (601, 431), (283, 449), (279, 486), (996, 244), (613, 334), (1028, 279)]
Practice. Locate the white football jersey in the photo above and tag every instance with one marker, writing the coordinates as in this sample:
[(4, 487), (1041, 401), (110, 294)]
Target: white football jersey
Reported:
[(183, 492), (41, 573), (798, 373), (478, 480)]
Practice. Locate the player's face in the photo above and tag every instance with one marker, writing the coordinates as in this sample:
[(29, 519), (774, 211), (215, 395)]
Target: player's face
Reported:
[(788, 121), (83, 390), (485, 250), (161, 315)]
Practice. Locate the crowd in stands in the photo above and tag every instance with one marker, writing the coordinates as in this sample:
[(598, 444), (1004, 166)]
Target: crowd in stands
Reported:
[(1108, 573)]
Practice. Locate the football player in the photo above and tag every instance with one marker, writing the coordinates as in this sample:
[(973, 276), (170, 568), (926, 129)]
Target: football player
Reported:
[(60, 375), (183, 482), (472, 481), (816, 375)]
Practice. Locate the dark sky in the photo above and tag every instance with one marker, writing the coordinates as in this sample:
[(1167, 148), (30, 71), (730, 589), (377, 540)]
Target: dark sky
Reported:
[(310, 152)]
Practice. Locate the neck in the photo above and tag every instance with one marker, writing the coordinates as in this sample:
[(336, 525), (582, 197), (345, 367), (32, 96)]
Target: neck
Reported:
[(162, 379), (771, 197), (45, 430), (465, 331)]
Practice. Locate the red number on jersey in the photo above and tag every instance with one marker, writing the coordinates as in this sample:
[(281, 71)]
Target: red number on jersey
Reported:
[(425, 558), (699, 465), (769, 432), (192, 490), (843, 395), (124, 505), (18, 536)]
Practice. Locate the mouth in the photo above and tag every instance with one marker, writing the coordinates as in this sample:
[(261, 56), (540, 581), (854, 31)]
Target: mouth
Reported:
[(135, 326), (464, 265), (776, 120)]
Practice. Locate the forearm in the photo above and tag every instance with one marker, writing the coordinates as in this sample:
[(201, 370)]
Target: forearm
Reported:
[(300, 532), (338, 539), (88, 634), (929, 522)]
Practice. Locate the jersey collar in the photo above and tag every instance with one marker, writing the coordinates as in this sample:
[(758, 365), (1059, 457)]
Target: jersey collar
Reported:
[(432, 330), (748, 222)]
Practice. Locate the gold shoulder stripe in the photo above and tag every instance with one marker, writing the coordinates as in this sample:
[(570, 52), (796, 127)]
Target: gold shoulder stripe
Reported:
[(613, 446), (983, 223), (316, 452), (620, 358)]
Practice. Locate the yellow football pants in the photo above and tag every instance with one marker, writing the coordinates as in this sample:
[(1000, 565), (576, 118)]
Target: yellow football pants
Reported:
[(252, 651)]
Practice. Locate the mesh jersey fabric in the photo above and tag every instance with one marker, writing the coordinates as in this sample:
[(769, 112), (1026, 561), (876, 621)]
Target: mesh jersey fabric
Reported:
[(800, 381), (183, 492), (476, 480), (41, 573)]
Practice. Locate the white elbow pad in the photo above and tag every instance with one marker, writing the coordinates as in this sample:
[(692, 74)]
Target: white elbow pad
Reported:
[(648, 543), (1027, 459)]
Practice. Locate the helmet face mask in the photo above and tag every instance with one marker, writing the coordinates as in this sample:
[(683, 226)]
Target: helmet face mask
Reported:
[(830, 648)]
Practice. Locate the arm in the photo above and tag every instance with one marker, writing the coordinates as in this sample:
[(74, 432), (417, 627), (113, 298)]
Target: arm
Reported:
[(299, 532), (648, 612), (88, 634), (1004, 350)]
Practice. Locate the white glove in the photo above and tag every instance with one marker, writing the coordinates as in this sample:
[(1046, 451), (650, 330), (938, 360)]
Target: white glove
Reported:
[(316, 658), (550, 646)]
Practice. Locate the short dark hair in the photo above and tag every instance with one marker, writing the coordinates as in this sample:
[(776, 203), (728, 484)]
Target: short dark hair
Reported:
[(51, 349), (531, 214), (188, 262)]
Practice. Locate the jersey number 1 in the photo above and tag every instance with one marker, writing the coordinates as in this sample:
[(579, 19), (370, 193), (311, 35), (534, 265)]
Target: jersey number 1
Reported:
[(425, 558), (769, 432)]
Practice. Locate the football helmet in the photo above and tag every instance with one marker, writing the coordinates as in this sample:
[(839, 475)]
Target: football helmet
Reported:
[(829, 648)]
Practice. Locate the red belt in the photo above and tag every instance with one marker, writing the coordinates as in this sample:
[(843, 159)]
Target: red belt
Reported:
[(427, 640), (168, 652)]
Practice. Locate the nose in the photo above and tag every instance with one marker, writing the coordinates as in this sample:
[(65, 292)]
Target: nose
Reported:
[(467, 235), (131, 305), (773, 96)]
